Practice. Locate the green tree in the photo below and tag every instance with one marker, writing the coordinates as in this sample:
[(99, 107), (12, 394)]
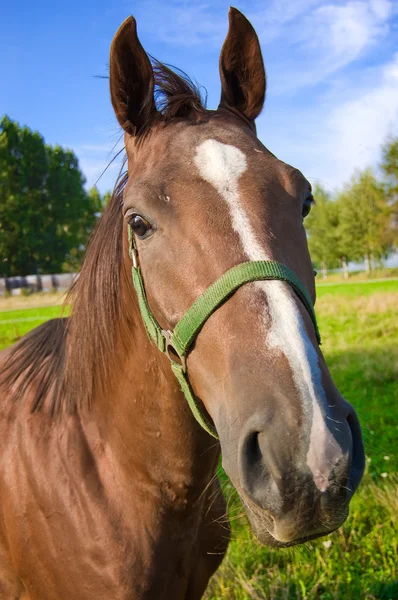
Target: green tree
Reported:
[(107, 196), (45, 213), (364, 216), (23, 175), (82, 233), (389, 166), (72, 211), (322, 229)]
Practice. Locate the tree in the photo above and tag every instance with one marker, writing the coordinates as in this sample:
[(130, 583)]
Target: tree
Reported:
[(389, 166), (73, 211), (23, 174), (322, 229), (45, 213), (364, 232), (106, 197)]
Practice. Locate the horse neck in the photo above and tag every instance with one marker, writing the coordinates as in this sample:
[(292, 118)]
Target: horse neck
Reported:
[(148, 424)]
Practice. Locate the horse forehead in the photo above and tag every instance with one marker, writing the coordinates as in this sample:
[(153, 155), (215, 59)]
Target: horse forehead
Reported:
[(177, 142), (216, 151)]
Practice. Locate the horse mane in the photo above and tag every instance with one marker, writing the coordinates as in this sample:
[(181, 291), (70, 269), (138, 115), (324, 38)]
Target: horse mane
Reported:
[(66, 362), (176, 95)]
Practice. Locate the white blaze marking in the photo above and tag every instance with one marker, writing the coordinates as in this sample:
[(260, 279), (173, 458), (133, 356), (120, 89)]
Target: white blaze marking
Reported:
[(222, 165)]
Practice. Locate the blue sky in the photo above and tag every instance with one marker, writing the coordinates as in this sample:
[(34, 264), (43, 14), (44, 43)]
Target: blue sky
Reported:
[(332, 70)]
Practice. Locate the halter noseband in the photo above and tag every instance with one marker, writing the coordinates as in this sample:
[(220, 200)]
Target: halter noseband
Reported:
[(178, 343)]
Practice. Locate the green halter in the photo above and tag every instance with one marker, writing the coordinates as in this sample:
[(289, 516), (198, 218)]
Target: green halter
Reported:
[(177, 344)]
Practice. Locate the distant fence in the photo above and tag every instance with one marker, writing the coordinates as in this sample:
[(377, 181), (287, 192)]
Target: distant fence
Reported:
[(36, 283)]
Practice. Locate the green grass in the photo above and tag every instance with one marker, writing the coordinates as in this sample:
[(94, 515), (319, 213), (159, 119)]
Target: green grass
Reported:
[(359, 328), (380, 273), (357, 288), (360, 341), (16, 323)]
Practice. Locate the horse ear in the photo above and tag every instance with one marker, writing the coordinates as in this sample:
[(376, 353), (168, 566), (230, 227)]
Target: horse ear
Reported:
[(242, 71), (131, 79)]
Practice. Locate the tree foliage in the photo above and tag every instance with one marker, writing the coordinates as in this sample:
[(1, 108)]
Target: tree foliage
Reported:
[(45, 212), (322, 228), (364, 219), (358, 224), (389, 166)]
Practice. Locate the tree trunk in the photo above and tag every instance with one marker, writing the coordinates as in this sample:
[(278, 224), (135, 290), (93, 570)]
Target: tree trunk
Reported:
[(345, 267), (324, 270), (367, 264)]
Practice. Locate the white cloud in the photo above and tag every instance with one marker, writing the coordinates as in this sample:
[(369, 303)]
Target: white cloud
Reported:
[(182, 22), (356, 128), (272, 19), (344, 31), (381, 8), (194, 23), (330, 38), (344, 131)]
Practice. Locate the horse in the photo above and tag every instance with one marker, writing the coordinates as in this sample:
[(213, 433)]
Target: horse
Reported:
[(192, 333)]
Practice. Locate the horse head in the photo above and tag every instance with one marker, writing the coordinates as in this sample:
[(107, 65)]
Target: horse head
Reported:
[(204, 195)]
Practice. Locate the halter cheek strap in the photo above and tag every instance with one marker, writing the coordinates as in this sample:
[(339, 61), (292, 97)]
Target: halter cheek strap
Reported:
[(178, 343)]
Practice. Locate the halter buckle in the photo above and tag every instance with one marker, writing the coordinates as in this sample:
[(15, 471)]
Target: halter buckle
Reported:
[(134, 257), (171, 352)]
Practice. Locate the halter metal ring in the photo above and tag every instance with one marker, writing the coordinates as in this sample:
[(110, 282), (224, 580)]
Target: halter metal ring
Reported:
[(172, 353)]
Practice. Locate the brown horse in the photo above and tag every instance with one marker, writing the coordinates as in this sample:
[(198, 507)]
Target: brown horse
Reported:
[(107, 482)]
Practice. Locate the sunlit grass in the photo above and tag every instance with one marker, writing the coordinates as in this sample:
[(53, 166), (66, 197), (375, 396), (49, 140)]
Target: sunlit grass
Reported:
[(16, 323), (37, 300), (380, 273)]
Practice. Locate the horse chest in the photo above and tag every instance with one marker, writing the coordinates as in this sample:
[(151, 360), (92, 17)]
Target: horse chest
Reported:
[(71, 537)]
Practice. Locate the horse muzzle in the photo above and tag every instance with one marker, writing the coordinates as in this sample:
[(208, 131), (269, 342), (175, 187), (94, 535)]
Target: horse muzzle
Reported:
[(287, 500)]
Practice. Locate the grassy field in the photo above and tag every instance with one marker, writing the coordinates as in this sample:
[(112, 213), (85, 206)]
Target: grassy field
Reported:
[(380, 273), (15, 323), (359, 328)]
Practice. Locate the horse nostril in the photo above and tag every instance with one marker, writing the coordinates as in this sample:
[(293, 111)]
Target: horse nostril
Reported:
[(253, 448), (253, 457), (260, 472), (253, 472)]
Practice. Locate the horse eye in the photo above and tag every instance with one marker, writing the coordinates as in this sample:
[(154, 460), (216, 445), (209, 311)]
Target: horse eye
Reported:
[(308, 202), (140, 226)]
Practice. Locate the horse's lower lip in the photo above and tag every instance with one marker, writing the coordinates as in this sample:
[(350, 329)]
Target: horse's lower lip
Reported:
[(265, 536), (293, 527), (268, 539)]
